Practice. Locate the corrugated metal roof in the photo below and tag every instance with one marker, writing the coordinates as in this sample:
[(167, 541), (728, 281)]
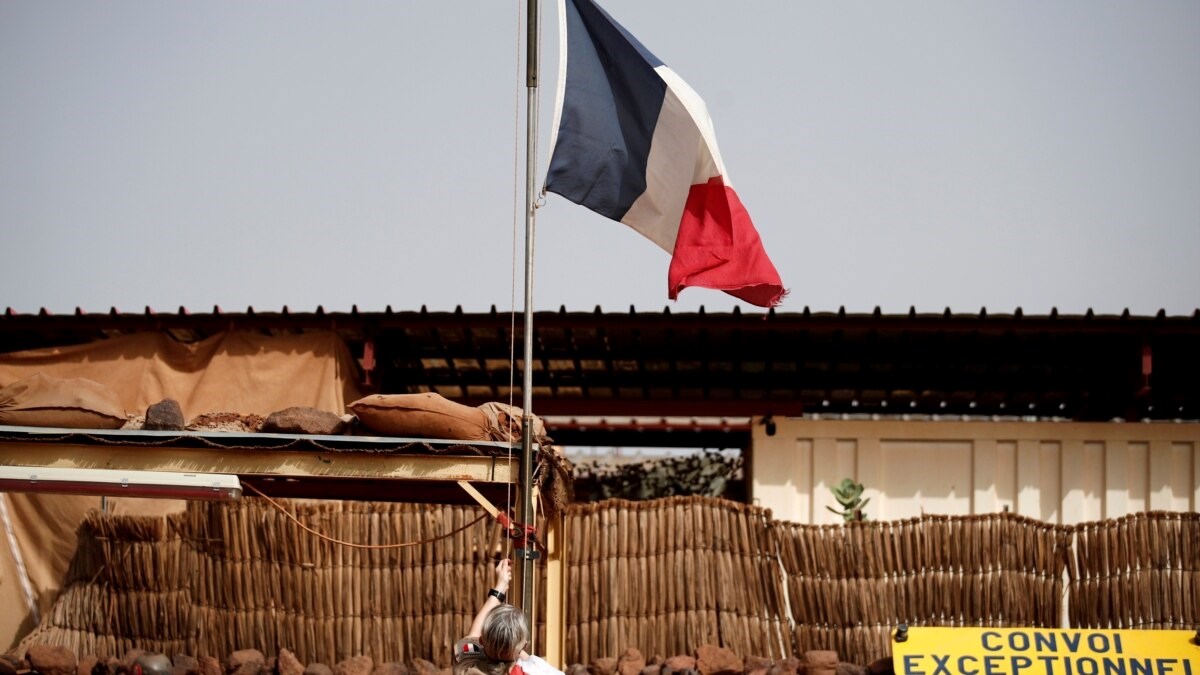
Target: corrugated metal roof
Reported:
[(731, 364), (320, 311)]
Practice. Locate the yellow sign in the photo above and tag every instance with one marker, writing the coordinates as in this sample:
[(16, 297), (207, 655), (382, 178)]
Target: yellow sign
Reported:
[(1042, 651)]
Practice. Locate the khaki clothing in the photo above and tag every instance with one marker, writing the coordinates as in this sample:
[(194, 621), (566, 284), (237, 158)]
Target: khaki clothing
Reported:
[(469, 659)]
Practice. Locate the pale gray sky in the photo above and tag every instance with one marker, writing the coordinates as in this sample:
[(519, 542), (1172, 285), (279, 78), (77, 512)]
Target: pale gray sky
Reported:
[(948, 153)]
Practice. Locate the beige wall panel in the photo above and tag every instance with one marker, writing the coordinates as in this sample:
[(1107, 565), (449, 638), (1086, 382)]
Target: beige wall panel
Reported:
[(785, 476), (1119, 485), (983, 483), (1053, 471), (1029, 478), (1074, 489), (1160, 475), (847, 459), (1137, 477), (1050, 494), (826, 474), (1182, 486), (870, 472), (1195, 477), (847, 456), (1093, 483), (1006, 476), (912, 488), (1083, 486), (803, 476)]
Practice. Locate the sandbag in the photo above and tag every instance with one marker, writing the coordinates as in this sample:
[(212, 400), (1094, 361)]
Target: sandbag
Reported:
[(427, 415), (504, 423), (45, 401)]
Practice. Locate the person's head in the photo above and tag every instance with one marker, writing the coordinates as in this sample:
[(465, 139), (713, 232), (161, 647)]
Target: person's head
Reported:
[(505, 632)]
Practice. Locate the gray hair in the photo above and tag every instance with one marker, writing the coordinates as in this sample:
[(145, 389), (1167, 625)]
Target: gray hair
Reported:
[(505, 632)]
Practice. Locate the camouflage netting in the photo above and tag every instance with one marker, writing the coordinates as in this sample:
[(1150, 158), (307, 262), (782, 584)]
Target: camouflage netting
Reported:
[(706, 474)]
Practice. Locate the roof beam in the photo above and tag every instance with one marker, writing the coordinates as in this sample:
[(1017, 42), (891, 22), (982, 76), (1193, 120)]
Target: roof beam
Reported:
[(630, 407), (340, 474)]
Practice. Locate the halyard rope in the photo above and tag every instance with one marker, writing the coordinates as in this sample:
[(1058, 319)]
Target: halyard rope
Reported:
[(351, 544)]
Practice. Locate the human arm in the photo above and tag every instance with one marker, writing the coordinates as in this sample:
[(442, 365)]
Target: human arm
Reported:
[(503, 578)]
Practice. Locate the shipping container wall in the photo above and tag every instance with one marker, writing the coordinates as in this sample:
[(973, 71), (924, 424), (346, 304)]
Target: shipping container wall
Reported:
[(1058, 472)]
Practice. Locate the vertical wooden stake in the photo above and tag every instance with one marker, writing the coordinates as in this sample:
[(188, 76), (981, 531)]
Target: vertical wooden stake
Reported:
[(556, 616)]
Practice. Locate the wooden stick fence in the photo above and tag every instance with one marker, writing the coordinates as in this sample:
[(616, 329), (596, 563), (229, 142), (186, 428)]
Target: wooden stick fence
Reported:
[(1142, 571), (664, 576), (669, 575), (850, 585), (218, 578)]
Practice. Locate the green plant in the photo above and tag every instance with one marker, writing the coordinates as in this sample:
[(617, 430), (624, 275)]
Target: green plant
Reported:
[(849, 496)]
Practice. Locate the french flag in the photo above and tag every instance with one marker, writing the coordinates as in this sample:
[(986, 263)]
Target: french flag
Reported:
[(634, 143)]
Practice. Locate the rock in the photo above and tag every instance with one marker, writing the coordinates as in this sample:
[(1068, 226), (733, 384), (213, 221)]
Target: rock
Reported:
[(713, 660), (882, 666), (304, 421), (209, 665), (129, 659), (789, 666), (681, 662), (289, 664), (423, 667), (185, 665), (109, 666), (390, 668), (106, 666), (86, 665), (605, 665), (166, 415), (847, 668), (355, 665), (632, 662), (245, 662), (819, 662), (318, 669), (757, 663), (52, 660)]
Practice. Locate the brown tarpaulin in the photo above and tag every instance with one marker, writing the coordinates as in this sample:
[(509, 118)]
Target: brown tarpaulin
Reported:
[(238, 371)]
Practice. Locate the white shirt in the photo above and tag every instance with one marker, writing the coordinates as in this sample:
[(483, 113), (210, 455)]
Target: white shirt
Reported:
[(536, 665)]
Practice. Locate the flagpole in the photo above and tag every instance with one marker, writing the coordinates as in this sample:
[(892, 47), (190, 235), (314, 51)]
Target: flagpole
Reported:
[(527, 515)]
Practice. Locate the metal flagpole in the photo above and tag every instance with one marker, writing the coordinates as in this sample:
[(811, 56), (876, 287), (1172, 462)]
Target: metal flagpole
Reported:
[(531, 114)]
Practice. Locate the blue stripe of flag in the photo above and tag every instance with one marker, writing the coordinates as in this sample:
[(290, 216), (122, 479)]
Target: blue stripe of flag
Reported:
[(611, 103)]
